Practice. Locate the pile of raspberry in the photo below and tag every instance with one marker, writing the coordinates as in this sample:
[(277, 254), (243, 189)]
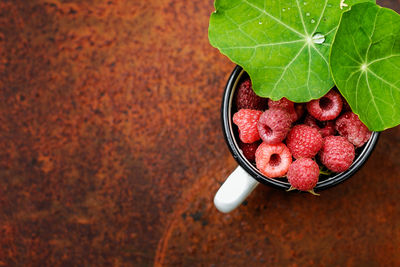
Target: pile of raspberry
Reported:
[(293, 140)]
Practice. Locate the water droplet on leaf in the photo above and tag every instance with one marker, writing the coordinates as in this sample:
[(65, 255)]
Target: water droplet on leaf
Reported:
[(283, 9), (318, 38), (312, 21), (307, 14)]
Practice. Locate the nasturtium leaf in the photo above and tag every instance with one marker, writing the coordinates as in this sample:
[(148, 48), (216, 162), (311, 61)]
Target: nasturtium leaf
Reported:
[(283, 45), (365, 63)]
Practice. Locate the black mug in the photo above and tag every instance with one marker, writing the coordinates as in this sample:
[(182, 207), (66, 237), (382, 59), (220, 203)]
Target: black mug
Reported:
[(244, 179)]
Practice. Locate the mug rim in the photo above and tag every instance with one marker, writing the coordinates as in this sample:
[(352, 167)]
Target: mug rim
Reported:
[(252, 170)]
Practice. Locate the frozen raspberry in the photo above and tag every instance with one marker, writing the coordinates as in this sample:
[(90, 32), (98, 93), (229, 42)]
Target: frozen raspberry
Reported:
[(303, 174), (304, 141), (273, 160), (349, 125), (327, 107), (247, 99), (286, 105), (249, 150), (246, 120), (273, 126), (325, 128), (337, 154)]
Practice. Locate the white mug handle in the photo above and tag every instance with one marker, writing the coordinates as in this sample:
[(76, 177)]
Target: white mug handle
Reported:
[(234, 190)]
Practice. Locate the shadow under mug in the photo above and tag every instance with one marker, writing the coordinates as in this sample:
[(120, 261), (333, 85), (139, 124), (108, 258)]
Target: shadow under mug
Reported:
[(244, 179)]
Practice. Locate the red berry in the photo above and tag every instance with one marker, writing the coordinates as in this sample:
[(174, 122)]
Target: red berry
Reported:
[(273, 160), (346, 107), (327, 107), (300, 108), (286, 105), (249, 150), (304, 141), (281, 103), (303, 174), (329, 129), (311, 121), (325, 128), (247, 99), (337, 154), (273, 125), (246, 120), (349, 125)]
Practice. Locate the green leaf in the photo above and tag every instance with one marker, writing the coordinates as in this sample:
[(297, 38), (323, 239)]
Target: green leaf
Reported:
[(283, 45), (365, 62)]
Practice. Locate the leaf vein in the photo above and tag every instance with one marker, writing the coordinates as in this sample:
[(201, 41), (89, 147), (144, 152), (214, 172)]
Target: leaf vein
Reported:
[(370, 37), (286, 68), (274, 18), (383, 80), (240, 29), (350, 57), (355, 49), (358, 82), (373, 99), (261, 45), (319, 53), (320, 18), (301, 17), (330, 31), (383, 58)]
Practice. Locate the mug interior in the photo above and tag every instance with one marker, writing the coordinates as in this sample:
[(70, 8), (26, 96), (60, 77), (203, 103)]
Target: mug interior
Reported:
[(325, 181)]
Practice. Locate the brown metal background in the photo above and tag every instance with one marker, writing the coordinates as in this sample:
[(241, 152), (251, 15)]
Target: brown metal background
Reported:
[(111, 151)]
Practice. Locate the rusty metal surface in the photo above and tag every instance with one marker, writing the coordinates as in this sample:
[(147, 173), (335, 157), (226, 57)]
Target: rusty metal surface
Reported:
[(111, 151)]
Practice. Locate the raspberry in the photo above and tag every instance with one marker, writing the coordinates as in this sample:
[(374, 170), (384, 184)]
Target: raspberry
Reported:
[(346, 107), (273, 160), (329, 129), (273, 126), (286, 105), (282, 103), (325, 128), (304, 141), (337, 154), (249, 150), (247, 99), (246, 120), (349, 125), (327, 107), (300, 109), (311, 121), (303, 174)]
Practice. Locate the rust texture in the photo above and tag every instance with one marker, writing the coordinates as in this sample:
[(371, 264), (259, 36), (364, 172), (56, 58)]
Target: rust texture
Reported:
[(111, 151)]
